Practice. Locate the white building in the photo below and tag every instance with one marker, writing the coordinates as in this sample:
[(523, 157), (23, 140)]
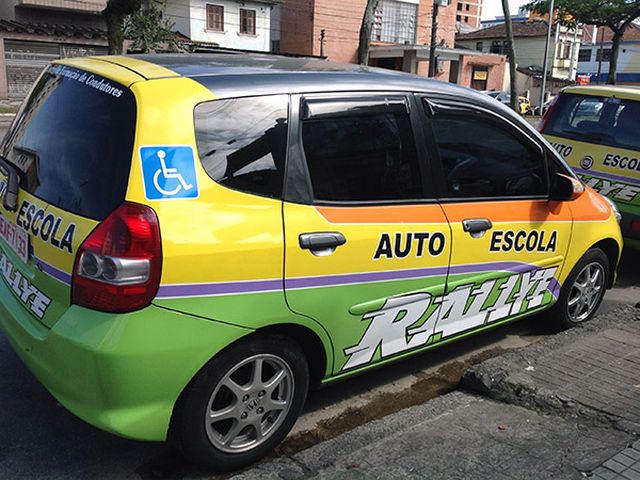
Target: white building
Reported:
[(238, 24)]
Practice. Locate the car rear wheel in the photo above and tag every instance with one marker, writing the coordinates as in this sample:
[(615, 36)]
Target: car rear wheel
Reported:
[(584, 289), (242, 403)]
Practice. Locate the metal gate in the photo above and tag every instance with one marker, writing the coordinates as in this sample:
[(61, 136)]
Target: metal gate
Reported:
[(25, 61)]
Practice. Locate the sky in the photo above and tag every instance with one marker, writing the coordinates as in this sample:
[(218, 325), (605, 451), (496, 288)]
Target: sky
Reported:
[(493, 8)]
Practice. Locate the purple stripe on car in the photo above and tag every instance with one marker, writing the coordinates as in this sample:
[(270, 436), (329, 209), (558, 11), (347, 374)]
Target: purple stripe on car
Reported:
[(610, 176), (222, 288), (229, 288), (52, 271)]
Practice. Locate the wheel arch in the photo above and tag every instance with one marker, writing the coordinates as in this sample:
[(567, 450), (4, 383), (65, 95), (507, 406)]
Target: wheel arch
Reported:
[(611, 249)]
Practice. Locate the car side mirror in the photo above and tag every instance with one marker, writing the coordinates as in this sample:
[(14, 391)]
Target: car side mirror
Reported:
[(565, 188)]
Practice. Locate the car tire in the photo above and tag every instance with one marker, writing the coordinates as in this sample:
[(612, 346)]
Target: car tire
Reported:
[(582, 293), (227, 418)]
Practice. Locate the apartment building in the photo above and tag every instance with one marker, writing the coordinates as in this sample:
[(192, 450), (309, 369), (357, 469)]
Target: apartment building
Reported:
[(468, 15), (595, 53), (529, 44), (233, 24), (400, 37), (34, 32)]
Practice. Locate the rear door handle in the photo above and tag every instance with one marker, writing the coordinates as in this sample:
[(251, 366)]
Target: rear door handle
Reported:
[(476, 226), (321, 243)]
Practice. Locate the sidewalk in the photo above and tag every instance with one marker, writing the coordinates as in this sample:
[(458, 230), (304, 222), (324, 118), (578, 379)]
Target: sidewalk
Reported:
[(567, 407)]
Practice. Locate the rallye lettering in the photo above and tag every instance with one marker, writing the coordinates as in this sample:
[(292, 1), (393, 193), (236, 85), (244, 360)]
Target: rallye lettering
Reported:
[(402, 245), (399, 326), (523, 240), (614, 190), (562, 148), (622, 162), (35, 220), (32, 298)]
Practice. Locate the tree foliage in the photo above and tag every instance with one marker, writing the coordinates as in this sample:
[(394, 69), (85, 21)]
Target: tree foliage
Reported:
[(114, 15), (148, 30), (617, 15)]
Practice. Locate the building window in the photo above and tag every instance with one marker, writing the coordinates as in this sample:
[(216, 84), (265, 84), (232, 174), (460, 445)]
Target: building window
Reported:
[(498, 46), (584, 55), (458, 18), (603, 55), (466, 19), (215, 18), (395, 22), (466, 7), (247, 21), (479, 46), (459, 6)]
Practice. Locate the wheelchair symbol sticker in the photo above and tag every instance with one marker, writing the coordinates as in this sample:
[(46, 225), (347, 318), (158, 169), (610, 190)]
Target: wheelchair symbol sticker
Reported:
[(169, 172)]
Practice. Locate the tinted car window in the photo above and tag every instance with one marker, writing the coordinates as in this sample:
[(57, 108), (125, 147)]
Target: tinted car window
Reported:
[(362, 157), (74, 140), (605, 120), (242, 142), (482, 159)]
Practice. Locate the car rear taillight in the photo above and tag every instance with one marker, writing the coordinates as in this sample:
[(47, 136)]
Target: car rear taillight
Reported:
[(635, 227), (548, 113), (117, 268)]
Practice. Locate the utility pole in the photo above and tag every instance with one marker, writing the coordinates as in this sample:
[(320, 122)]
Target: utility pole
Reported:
[(600, 53), (322, 35), (432, 46), (546, 55)]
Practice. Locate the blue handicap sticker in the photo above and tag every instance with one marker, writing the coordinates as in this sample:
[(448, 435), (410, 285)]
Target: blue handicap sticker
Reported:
[(169, 172)]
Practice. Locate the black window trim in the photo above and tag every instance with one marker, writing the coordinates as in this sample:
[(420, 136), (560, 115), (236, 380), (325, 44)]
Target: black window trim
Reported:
[(297, 172), (433, 104)]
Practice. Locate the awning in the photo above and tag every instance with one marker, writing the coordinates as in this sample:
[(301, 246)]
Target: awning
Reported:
[(421, 52)]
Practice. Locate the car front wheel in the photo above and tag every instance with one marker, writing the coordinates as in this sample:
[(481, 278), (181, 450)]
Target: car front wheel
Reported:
[(584, 289)]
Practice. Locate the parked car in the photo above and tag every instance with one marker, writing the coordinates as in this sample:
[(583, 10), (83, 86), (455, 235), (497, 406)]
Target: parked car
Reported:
[(189, 241), (505, 98), (545, 107), (597, 130)]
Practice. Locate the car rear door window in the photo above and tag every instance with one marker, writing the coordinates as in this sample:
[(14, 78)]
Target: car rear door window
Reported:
[(242, 142), (482, 158), (361, 152)]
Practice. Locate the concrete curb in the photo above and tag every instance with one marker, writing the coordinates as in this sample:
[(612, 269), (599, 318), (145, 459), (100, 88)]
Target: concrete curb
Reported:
[(510, 378)]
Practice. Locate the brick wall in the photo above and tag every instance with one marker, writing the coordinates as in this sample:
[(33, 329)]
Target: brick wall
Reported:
[(496, 64), (296, 26)]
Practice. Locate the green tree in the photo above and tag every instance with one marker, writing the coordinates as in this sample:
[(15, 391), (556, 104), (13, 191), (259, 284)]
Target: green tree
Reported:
[(617, 15), (114, 15), (148, 29)]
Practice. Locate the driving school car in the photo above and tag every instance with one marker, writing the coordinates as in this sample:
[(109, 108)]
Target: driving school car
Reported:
[(188, 242), (596, 130)]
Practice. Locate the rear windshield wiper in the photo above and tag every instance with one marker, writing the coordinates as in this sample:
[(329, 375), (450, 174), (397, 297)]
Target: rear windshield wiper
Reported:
[(12, 172), (588, 135)]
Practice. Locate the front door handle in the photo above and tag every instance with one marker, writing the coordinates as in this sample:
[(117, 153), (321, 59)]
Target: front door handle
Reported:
[(321, 243), (476, 226)]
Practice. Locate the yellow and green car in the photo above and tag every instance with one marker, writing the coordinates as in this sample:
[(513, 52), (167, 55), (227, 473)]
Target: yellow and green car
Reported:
[(188, 242), (596, 129)]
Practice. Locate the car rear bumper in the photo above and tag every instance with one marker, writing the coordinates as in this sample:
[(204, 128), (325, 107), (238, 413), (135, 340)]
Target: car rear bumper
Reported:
[(119, 372), (630, 226)]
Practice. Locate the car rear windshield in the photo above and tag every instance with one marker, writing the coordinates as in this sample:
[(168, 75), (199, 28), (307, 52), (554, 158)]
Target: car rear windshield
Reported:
[(594, 119), (73, 140)]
